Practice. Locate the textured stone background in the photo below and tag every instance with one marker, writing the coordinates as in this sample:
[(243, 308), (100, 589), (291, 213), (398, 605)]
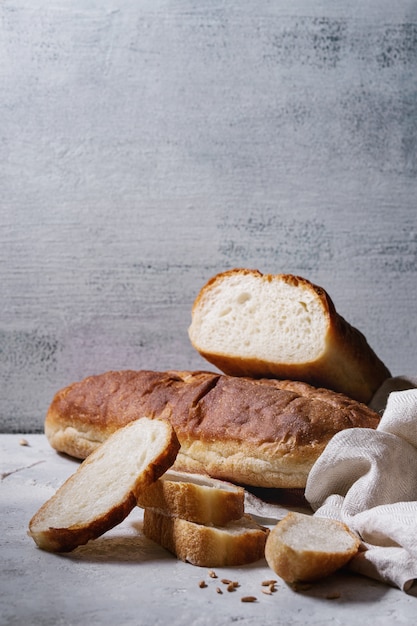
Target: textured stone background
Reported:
[(145, 146)]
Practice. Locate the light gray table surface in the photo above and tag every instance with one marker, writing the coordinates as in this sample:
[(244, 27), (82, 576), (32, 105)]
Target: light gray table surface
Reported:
[(123, 578)]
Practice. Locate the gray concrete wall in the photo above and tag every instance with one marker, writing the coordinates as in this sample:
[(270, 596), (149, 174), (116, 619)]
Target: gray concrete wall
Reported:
[(147, 145)]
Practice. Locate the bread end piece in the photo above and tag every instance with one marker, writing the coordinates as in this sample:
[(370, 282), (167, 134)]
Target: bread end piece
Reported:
[(239, 542), (105, 487), (304, 548), (282, 326)]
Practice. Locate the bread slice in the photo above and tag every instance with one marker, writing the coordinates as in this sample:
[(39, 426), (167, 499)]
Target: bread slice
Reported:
[(282, 326), (105, 487), (304, 548), (237, 543), (195, 498)]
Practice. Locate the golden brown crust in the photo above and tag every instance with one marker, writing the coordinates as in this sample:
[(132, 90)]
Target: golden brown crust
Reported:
[(264, 433), (237, 543), (193, 497), (347, 365)]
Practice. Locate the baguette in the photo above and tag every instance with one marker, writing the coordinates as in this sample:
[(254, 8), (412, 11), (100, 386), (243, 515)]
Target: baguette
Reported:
[(237, 543), (105, 487), (304, 548), (282, 326), (260, 433), (195, 498)]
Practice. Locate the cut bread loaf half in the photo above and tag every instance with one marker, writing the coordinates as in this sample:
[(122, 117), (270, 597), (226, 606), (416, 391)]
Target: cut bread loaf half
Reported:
[(195, 498), (282, 326), (105, 487), (304, 548), (237, 543)]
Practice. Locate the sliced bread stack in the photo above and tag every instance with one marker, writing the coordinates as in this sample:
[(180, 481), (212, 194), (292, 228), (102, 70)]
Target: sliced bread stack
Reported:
[(201, 520)]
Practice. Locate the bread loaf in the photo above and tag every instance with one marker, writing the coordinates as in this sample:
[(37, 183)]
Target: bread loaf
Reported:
[(237, 543), (105, 487), (194, 497), (282, 326), (303, 548), (261, 433)]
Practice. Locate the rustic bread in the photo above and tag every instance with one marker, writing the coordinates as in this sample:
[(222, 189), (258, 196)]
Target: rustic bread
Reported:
[(261, 433), (105, 487), (282, 326), (194, 497), (304, 548), (237, 543)]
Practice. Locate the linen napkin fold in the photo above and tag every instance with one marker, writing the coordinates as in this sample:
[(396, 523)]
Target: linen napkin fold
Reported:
[(368, 480)]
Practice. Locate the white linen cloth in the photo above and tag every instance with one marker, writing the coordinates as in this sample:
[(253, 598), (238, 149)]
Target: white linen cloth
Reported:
[(368, 480)]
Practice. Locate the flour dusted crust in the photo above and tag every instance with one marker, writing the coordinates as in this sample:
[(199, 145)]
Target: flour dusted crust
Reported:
[(282, 326), (261, 433)]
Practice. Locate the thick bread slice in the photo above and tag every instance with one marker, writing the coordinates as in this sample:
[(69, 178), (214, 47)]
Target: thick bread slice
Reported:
[(105, 488), (195, 498), (237, 543), (282, 326), (262, 433), (304, 548)]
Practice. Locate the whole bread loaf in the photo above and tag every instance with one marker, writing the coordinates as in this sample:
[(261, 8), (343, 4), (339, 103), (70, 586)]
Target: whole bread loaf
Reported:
[(282, 326), (261, 433)]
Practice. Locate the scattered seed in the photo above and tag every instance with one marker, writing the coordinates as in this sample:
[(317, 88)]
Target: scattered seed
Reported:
[(271, 584), (212, 574), (267, 592), (231, 587), (23, 442), (202, 584), (218, 590), (226, 581), (248, 599)]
